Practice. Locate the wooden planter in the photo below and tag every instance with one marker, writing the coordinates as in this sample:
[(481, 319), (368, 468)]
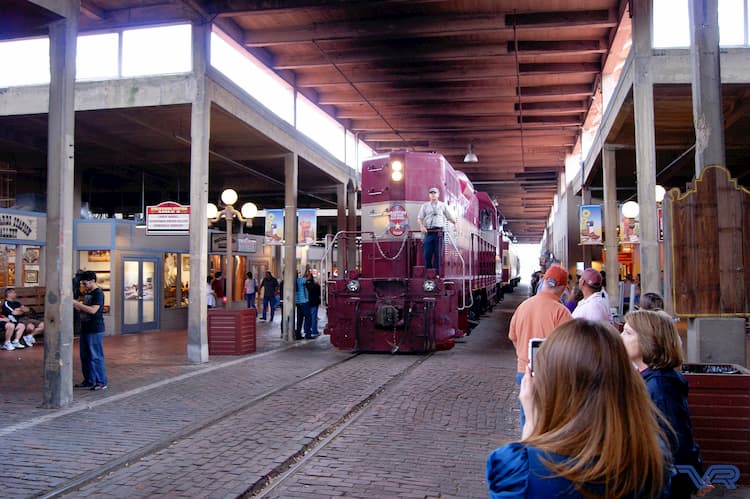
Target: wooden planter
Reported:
[(720, 411), (231, 331)]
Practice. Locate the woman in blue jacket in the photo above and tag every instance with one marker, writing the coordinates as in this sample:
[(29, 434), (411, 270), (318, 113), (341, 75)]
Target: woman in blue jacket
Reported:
[(591, 430), (655, 349)]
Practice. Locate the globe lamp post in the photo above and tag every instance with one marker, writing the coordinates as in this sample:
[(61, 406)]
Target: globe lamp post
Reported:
[(246, 214)]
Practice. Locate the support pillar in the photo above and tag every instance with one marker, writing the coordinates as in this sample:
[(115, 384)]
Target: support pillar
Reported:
[(645, 142), (200, 131), (708, 117), (341, 225), (352, 224), (291, 170), (611, 266), (58, 310), (585, 249)]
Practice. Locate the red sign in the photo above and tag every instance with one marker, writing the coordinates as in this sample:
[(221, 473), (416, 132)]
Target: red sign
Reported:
[(168, 218), (626, 258), (399, 223)]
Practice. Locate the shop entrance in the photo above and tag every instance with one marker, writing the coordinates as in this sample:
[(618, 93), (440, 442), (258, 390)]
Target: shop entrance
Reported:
[(139, 297)]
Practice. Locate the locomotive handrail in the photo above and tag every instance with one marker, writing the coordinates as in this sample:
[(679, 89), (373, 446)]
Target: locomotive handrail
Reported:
[(463, 271), (380, 250)]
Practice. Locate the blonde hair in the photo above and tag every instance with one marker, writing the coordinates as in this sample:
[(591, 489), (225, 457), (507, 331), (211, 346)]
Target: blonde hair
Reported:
[(593, 408), (660, 343)]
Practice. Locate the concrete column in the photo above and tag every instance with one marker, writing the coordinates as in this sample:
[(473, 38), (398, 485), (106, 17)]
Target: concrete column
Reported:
[(707, 106), (291, 170), (341, 222), (58, 310), (611, 266), (352, 223), (200, 131), (585, 250), (645, 144)]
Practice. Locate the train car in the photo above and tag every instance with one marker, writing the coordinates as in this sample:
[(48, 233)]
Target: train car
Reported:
[(511, 274), (390, 302)]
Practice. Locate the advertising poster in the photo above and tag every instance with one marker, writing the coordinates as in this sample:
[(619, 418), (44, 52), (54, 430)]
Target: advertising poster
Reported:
[(307, 225), (274, 231), (590, 217), (630, 229)]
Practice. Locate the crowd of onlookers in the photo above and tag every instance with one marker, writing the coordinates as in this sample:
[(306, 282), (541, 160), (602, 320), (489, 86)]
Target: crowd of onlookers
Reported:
[(604, 413), (18, 323)]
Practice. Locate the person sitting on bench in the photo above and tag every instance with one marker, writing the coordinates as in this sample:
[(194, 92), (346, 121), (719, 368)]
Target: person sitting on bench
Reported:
[(19, 313), (9, 327)]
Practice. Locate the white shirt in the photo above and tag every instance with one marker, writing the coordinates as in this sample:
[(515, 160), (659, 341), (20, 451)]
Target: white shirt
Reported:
[(593, 308)]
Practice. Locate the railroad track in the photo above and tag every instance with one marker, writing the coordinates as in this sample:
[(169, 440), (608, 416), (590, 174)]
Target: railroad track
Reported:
[(359, 371)]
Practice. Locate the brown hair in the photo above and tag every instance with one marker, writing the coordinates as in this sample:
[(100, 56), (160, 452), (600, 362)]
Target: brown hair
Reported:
[(660, 343), (593, 408), (651, 301)]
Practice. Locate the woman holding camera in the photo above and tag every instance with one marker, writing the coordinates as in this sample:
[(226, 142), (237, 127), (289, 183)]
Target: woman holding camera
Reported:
[(655, 349), (591, 429)]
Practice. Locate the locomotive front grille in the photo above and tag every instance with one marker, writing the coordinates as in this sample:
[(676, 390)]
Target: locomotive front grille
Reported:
[(386, 316)]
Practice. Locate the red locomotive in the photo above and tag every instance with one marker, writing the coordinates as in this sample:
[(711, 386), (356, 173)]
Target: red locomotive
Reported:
[(388, 301)]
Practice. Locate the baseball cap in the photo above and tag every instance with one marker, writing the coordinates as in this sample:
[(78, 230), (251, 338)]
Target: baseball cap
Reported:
[(556, 273), (434, 189), (593, 278)]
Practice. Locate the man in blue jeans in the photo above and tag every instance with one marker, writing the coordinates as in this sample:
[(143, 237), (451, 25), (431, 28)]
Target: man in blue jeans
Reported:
[(432, 218), (92, 334), (270, 286)]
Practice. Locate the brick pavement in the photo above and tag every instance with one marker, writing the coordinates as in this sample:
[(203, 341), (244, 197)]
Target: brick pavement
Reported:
[(216, 429)]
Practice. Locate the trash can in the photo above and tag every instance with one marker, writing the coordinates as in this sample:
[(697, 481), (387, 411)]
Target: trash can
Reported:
[(231, 331), (719, 401)]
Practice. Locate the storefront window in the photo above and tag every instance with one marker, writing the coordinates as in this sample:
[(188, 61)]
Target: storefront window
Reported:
[(7, 265), (31, 265), (176, 279), (99, 262)]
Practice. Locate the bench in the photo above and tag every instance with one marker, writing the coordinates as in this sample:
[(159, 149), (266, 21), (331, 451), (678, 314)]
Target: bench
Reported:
[(33, 297)]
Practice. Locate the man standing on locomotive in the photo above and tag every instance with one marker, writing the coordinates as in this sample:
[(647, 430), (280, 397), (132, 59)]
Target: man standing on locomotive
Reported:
[(432, 217)]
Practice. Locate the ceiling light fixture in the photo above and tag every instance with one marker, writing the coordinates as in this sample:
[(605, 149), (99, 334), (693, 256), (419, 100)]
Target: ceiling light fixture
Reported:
[(470, 156)]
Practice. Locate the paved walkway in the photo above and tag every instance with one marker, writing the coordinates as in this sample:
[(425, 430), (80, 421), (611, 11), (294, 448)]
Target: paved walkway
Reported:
[(299, 420)]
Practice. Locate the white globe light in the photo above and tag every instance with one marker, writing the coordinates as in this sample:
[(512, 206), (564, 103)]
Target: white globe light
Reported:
[(211, 210), (660, 191), (396, 176), (229, 196), (249, 210), (630, 209)]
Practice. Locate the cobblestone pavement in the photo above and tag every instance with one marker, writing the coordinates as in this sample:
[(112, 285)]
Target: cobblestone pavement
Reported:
[(301, 420)]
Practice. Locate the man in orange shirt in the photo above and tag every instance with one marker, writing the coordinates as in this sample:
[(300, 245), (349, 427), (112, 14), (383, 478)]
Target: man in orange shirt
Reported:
[(538, 316)]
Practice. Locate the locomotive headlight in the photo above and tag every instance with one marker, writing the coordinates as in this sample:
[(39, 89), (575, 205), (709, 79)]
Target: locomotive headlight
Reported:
[(397, 170), (353, 286), (429, 285)]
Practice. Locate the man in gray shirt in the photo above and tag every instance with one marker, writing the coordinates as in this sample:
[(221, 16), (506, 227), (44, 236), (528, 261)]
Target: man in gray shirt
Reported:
[(432, 220)]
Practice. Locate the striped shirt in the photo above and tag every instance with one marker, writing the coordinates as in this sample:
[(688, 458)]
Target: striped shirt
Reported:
[(433, 215)]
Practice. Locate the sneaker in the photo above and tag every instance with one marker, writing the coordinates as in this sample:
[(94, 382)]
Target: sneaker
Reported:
[(8, 346), (83, 385), (17, 345), (98, 387), (27, 341), (31, 339)]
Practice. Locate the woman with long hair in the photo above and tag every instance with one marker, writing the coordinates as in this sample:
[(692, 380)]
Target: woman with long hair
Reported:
[(655, 349), (591, 429)]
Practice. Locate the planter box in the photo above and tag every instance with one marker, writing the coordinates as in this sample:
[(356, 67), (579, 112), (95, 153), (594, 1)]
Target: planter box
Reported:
[(719, 401), (231, 332)]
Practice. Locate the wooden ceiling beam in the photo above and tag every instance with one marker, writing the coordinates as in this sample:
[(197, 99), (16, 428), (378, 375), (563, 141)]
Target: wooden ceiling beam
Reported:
[(470, 109)]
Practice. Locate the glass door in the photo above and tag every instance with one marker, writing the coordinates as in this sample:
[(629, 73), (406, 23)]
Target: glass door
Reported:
[(139, 297)]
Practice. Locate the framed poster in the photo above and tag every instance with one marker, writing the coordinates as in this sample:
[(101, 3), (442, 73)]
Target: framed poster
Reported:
[(31, 277), (31, 256)]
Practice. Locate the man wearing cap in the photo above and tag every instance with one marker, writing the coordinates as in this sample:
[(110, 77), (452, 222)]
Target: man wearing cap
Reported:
[(92, 334), (537, 316), (432, 218), (594, 306)]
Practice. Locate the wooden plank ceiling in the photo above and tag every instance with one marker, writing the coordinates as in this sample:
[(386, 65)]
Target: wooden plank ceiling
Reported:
[(512, 78)]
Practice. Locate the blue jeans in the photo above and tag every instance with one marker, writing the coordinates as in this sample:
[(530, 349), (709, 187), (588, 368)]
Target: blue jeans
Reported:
[(250, 297), (432, 248), (268, 302), (303, 318), (92, 358), (314, 319), (519, 377)]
